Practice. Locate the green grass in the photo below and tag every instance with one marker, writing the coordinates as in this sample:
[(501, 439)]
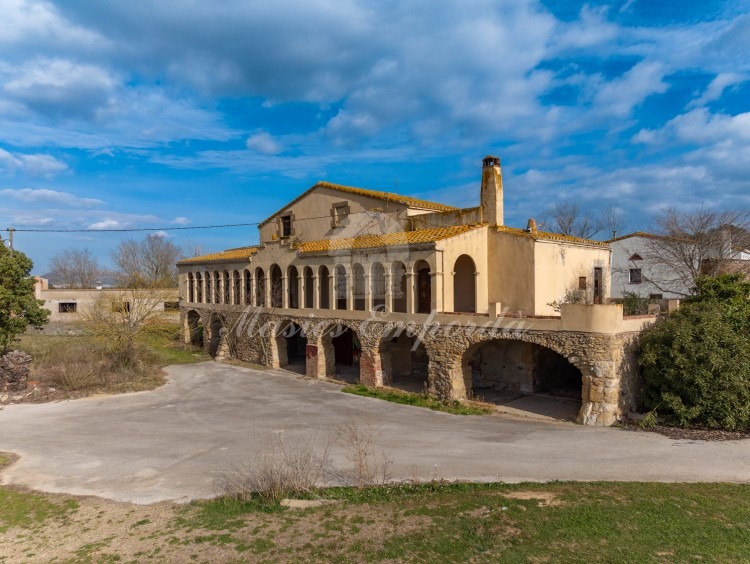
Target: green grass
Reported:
[(566, 522), (418, 400), (30, 510), (166, 346)]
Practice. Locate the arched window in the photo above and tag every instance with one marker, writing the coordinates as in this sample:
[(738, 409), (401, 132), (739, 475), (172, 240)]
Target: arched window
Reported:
[(324, 280), (209, 287), (293, 281), (217, 288), (359, 287), (398, 286), (190, 287), (424, 286), (260, 288), (198, 287), (378, 286), (309, 281), (276, 286), (464, 285), (227, 288), (248, 280), (341, 289)]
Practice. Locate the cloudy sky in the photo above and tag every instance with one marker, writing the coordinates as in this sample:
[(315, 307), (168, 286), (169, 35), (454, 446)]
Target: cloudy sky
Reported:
[(173, 114)]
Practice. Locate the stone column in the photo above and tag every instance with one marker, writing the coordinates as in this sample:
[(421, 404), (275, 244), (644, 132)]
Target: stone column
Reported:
[(349, 290), (267, 288), (437, 291), (315, 291), (285, 289), (410, 293), (370, 372), (388, 291), (368, 292)]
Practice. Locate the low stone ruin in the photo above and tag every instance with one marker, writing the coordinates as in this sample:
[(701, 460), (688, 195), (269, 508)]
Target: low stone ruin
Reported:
[(14, 371)]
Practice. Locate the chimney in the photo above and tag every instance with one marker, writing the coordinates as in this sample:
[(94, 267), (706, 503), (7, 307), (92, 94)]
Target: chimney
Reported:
[(492, 191), (531, 226)]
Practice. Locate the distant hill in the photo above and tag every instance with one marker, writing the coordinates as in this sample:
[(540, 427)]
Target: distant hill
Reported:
[(108, 278)]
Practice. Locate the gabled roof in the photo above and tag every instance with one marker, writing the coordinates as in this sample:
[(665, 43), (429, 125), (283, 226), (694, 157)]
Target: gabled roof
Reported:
[(645, 235), (230, 255), (386, 240), (384, 196), (546, 236)]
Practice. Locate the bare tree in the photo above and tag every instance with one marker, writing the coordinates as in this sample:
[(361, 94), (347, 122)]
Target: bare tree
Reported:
[(689, 244), (613, 220), (149, 263), (567, 218), (76, 268)]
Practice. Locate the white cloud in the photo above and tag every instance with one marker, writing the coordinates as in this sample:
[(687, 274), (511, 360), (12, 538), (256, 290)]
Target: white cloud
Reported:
[(716, 88), (44, 196), (31, 165), (181, 221), (30, 221), (107, 224), (619, 96), (264, 143)]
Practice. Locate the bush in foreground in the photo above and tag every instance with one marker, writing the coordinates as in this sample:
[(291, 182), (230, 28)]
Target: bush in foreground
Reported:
[(696, 363)]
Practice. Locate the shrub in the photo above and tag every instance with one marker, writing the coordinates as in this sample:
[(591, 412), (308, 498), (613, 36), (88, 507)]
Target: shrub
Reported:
[(634, 304), (696, 363)]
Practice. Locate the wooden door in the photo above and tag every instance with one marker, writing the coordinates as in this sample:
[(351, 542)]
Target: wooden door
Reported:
[(598, 290), (424, 291)]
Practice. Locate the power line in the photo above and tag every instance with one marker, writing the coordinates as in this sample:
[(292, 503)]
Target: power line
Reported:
[(170, 228)]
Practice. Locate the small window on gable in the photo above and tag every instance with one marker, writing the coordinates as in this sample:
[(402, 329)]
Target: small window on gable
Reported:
[(635, 276), (582, 283), (339, 213), (286, 225), (67, 307), (636, 256)]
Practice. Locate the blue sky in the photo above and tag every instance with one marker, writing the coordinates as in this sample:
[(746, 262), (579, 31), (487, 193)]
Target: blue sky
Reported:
[(157, 113)]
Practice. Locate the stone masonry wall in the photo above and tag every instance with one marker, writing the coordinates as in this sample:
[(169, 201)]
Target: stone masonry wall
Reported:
[(605, 361)]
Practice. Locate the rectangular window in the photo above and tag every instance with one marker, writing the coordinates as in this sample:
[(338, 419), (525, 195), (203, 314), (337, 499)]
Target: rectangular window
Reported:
[(656, 296), (286, 225), (635, 276), (339, 212), (120, 307), (582, 283), (67, 307)]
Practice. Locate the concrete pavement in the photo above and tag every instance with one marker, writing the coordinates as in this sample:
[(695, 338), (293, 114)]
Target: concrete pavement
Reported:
[(171, 442)]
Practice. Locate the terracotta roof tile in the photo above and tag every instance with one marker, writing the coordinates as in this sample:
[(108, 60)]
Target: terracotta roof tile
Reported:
[(385, 240), (550, 236), (230, 255)]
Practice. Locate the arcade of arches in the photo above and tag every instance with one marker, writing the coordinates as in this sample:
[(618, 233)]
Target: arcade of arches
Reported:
[(593, 367)]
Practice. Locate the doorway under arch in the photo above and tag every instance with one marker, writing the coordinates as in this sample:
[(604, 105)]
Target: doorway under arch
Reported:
[(276, 286), (309, 286), (217, 334), (524, 376), (324, 282), (424, 286), (195, 329), (293, 281), (404, 362), (341, 348), (291, 343)]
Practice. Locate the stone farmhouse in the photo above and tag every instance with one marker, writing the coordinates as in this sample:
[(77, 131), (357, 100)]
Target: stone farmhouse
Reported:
[(388, 290)]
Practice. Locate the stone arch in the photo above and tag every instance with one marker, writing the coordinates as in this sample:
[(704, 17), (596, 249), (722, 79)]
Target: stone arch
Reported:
[(247, 278), (260, 287), (309, 287), (276, 285), (217, 344), (339, 350), (341, 287), (358, 286), (226, 285), (404, 362), (291, 345), (501, 370), (293, 283), (399, 286), (377, 273), (194, 329), (423, 274), (464, 285), (198, 288), (324, 281)]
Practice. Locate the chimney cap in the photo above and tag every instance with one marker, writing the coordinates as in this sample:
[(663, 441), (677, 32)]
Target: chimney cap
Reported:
[(490, 160)]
